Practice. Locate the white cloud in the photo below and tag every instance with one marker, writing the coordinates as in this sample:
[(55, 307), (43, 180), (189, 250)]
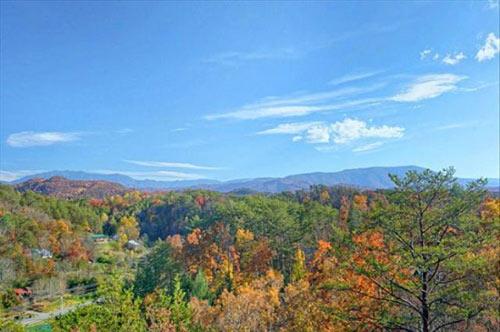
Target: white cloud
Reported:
[(368, 147), (351, 129), (170, 164), (14, 175), (157, 175), (31, 138), (318, 134), (425, 53), (490, 48), (428, 86), (449, 59), (353, 77), (234, 58), (312, 132), (340, 132), (454, 59), (299, 105), (289, 128)]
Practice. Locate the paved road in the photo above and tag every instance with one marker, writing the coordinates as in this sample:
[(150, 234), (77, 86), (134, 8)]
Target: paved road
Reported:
[(38, 317)]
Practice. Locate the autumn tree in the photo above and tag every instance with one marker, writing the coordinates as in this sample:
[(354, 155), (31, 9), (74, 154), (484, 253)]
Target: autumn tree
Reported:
[(299, 266), (128, 229), (252, 307)]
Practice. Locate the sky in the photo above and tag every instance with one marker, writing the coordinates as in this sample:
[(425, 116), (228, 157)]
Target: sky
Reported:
[(220, 90)]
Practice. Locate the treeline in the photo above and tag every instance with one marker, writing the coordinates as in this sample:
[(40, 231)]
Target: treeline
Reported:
[(421, 257)]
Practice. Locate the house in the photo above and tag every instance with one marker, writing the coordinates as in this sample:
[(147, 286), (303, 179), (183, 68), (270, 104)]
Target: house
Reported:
[(41, 253), (99, 238), (132, 245)]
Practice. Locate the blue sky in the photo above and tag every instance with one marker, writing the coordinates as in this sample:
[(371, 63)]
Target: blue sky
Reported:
[(170, 91)]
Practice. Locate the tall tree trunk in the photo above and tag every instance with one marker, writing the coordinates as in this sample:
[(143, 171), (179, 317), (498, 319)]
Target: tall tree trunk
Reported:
[(425, 307)]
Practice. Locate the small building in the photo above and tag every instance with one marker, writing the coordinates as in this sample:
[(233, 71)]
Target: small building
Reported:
[(99, 238), (132, 245), (41, 253)]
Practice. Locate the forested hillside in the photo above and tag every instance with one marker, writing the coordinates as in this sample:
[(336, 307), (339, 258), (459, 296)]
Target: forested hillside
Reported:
[(420, 257), (64, 188)]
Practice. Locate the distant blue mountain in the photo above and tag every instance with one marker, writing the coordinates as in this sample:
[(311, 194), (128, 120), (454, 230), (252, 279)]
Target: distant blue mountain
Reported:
[(369, 178)]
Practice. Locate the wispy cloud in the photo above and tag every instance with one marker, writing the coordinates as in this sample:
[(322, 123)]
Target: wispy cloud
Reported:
[(492, 4), (30, 138), (14, 175), (425, 53), (289, 128), (238, 57), (299, 105), (340, 132), (448, 59), (124, 131), (368, 147), (424, 87), (234, 58), (461, 125), (478, 87), (156, 175), (170, 164), (428, 86), (490, 48), (454, 59), (353, 77)]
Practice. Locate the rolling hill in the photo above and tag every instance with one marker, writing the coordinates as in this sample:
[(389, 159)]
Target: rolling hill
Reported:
[(64, 188)]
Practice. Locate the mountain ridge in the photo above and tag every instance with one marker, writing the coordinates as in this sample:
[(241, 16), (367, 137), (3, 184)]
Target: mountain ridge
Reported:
[(368, 178)]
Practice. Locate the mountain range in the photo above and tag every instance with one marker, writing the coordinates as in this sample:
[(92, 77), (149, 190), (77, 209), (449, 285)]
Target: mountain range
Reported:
[(366, 178)]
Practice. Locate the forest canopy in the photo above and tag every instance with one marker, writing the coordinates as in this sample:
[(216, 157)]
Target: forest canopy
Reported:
[(420, 257)]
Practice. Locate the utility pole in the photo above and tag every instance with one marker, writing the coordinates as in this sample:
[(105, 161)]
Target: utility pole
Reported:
[(62, 287)]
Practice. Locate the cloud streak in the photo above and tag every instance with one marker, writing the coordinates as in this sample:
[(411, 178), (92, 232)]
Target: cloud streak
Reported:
[(349, 78), (170, 165), (14, 175), (234, 58), (300, 105), (368, 147), (30, 138), (428, 86), (424, 87), (156, 175)]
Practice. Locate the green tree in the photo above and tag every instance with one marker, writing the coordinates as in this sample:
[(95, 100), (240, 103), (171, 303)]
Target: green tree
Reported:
[(156, 270), (199, 286), (434, 235), (119, 311), (179, 307)]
